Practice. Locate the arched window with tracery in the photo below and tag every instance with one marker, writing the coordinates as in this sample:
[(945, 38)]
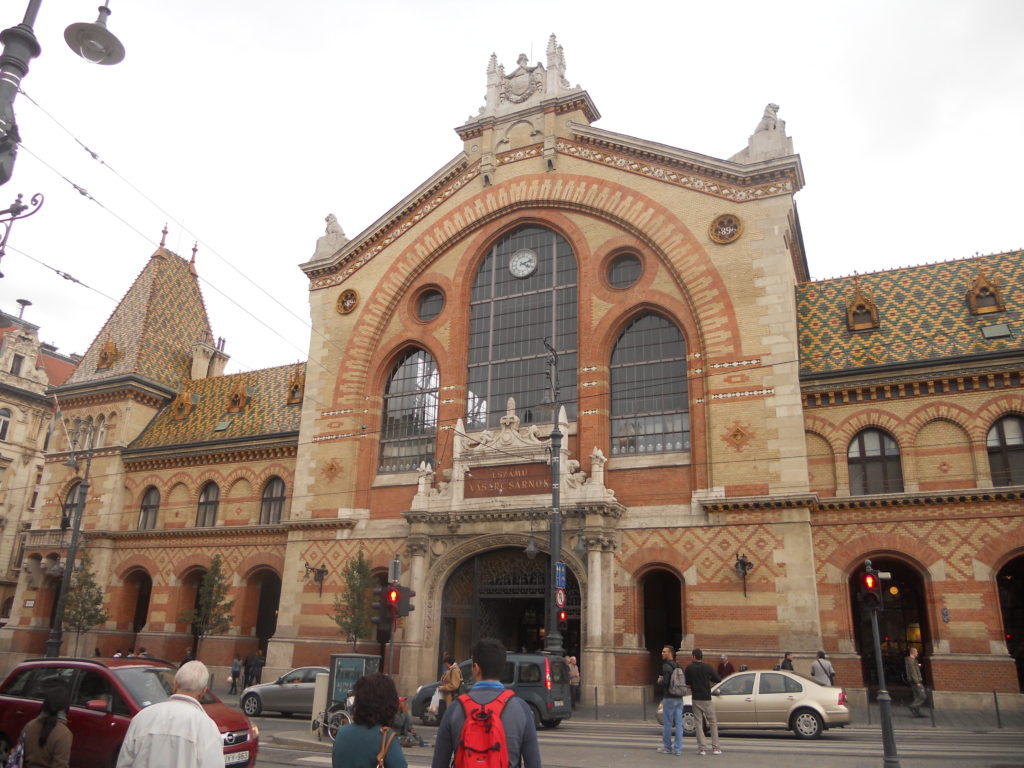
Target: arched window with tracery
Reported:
[(149, 509), (209, 500), (272, 503), (409, 425), (650, 408), (874, 463), (1006, 451), (524, 292)]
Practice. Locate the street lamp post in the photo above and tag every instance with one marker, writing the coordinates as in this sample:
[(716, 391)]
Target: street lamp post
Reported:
[(552, 636), (54, 641), (93, 42)]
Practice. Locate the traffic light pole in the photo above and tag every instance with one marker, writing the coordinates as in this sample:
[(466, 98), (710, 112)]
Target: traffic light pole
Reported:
[(391, 650), (891, 759)]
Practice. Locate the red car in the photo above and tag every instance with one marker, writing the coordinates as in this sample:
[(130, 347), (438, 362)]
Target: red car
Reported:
[(105, 694)]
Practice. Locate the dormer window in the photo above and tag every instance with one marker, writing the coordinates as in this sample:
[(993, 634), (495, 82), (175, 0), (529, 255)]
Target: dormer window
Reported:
[(239, 397), (861, 312), (296, 387), (108, 355), (983, 296)]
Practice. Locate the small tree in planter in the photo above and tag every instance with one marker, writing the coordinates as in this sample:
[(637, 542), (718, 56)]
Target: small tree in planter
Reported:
[(83, 607), (352, 607), (210, 616)]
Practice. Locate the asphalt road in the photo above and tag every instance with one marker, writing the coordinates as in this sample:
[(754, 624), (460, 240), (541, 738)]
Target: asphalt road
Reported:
[(579, 744)]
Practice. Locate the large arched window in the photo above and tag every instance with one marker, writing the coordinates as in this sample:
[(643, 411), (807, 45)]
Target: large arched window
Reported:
[(209, 499), (523, 293), (150, 508), (410, 414), (67, 510), (650, 410), (5, 422), (272, 502), (874, 461), (1006, 451)]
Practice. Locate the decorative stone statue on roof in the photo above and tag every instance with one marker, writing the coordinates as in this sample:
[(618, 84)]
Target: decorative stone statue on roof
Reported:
[(768, 141), (333, 240), (526, 84)]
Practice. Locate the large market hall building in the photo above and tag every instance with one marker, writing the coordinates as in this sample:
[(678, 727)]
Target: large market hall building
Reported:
[(739, 439)]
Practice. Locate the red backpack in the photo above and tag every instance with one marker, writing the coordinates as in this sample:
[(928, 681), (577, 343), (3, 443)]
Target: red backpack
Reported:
[(482, 741)]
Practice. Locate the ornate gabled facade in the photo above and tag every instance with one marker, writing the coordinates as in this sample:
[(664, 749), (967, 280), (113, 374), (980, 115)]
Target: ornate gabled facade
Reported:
[(27, 369), (737, 439)]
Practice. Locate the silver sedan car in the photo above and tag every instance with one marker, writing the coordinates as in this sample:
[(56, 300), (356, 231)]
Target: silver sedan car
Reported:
[(291, 692), (773, 699)]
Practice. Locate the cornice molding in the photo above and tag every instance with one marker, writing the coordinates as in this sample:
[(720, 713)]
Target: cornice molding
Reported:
[(137, 463), (814, 503)]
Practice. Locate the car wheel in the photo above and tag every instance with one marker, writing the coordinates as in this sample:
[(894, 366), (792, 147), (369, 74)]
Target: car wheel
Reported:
[(806, 724), (251, 705), (689, 723), (336, 721), (553, 723)]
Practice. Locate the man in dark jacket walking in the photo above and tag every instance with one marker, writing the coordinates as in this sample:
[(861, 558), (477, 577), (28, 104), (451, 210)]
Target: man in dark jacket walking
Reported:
[(700, 677), (516, 717)]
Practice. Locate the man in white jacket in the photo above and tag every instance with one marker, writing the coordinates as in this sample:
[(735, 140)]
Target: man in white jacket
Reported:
[(176, 733)]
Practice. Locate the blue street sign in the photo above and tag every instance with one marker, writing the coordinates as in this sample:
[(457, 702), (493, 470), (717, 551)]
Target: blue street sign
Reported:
[(559, 575)]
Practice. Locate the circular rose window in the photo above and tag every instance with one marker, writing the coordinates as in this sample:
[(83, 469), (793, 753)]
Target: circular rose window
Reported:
[(429, 305), (726, 228), (625, 270)]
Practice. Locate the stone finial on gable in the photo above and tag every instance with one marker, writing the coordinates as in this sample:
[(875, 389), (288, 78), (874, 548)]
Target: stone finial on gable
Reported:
[(332, 240), (768, 141)]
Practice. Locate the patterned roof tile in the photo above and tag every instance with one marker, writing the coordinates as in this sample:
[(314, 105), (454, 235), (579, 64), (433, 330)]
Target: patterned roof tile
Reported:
[(923, 315)]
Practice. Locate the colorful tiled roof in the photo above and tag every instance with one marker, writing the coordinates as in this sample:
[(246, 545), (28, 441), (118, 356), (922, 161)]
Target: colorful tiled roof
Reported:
[(154, 327), (923, 315), (267, 411)]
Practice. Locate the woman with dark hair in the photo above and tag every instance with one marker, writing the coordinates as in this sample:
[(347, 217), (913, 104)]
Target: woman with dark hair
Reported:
[(370, 737), (47, 738)]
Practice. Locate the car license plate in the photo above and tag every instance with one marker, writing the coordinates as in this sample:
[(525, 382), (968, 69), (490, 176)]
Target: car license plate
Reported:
[(236, 757), (559, 703)]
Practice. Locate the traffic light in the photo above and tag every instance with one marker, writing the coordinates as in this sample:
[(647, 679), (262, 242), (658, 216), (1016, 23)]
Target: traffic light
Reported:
[(870, 587), (392, 598), (382, 608), (405, 596), (563, 620)]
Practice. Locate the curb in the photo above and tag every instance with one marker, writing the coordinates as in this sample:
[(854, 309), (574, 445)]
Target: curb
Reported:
[(301, 740)]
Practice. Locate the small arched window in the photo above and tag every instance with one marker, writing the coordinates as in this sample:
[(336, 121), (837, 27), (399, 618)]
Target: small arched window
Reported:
[(410, 414), (272, 503), (650, 408), (149, 510), (1006, 451), (209, 499), (5, 422), (874, 462)]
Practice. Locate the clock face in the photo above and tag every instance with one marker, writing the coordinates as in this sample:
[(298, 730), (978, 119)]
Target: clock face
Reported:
[(523, 263)]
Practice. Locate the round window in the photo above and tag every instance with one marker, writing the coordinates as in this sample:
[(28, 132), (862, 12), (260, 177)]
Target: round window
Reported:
[(430, 304), (625, 270)]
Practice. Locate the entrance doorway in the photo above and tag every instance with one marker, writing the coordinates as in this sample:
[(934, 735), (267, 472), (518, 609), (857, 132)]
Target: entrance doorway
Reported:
[(1011, 601), (501, 594), (269, 584), (902, 623)]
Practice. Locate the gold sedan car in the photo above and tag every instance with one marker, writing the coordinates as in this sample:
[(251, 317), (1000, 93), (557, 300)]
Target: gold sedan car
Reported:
[(773, 699)]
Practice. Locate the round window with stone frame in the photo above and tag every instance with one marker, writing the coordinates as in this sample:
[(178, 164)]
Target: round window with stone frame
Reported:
[(726, 228), (429, 305), (624, 270)]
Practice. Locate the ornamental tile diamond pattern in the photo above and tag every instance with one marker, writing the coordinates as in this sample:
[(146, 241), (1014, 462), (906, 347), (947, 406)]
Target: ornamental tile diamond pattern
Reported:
[(923, 314)]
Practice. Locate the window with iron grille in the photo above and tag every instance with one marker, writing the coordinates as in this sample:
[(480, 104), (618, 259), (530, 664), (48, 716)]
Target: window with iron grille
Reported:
[(409, 425), (510, 316), (272, 503), (149, 510), (873, 459), (1006, 451), (650, 407), (209, 500)]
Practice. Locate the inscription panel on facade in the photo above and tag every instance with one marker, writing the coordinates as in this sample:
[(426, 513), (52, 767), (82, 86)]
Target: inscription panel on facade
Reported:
[(513, 480)]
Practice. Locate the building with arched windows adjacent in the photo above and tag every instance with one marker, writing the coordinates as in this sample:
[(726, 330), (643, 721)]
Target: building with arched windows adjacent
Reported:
[(736, 439)]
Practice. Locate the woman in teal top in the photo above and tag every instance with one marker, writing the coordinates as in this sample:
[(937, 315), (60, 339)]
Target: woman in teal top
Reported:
[(357, 745)]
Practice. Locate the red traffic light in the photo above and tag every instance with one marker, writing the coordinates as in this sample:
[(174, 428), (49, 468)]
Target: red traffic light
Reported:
[(393, 596), (870, 581), (562, 616)]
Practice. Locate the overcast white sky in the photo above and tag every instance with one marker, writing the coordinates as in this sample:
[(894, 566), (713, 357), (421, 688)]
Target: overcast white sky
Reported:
[(247, 121)]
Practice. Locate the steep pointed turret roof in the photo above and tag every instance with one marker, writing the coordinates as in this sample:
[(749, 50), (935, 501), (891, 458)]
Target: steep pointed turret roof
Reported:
[(153, 329)]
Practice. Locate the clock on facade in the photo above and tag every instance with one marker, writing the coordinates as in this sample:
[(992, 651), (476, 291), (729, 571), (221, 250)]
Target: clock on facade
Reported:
[(523, 263)]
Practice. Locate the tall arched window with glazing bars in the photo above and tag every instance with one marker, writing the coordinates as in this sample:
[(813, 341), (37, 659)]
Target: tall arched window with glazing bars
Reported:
[(524, 292), (650, 406), (209, 501), (1006, 451), (272, 502), (150, 509), (409, 426)]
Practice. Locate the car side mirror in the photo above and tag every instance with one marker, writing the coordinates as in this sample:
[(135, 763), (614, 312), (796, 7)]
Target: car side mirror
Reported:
[(98, 705), (716, 692)]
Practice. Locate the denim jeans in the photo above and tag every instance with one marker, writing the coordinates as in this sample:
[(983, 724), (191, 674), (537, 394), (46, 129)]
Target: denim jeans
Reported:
[(672, 711)]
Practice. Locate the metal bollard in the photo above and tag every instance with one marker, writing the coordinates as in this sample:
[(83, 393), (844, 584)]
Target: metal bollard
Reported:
[(643, 701), (999, 717)]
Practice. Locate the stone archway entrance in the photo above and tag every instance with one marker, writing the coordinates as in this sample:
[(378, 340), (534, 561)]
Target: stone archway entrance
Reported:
[(1010, 581), (902, 623), (501, 594)]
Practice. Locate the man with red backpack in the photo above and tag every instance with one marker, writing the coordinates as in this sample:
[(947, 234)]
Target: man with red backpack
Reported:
[(489, 727)]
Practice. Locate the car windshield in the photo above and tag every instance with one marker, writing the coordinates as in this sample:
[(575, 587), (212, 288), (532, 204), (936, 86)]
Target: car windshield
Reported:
[(151, 685)]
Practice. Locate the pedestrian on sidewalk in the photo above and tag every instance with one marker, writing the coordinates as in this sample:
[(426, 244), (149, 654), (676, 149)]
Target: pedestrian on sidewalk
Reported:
[(574, 680), (369, 740), (916, 681), (700, 677), (787, 661), (822, 671), (671, 705), (725, 667), (236, 670)]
